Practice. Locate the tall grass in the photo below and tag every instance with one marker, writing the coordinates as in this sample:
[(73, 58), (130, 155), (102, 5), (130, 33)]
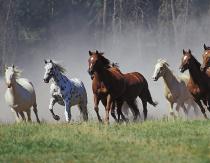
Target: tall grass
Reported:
[(151, 141)]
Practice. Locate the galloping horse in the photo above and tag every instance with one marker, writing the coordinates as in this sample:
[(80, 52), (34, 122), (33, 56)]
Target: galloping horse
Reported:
[(20, 94), (121, 87), (206, 61), (100, 93), (175, 89), (64, 91), (197, 84)]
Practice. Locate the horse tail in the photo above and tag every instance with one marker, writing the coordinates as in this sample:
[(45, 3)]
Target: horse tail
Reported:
[(149, 98)]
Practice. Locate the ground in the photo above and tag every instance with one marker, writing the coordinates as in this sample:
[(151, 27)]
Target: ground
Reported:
[(151, 141)]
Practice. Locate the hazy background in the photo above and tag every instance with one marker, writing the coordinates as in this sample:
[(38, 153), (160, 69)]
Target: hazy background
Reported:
[(134, 33)]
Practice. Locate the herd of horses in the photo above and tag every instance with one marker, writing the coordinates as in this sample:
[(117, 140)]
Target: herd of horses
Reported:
[(113, 88)]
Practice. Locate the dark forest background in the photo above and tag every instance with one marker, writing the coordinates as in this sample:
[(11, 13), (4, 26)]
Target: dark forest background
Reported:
[(26, 24), (134, 33)]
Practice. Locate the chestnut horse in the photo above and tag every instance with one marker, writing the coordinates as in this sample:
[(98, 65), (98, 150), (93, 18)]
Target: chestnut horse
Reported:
[(205, 67), (100, 93), (197, 84), (121, 87)]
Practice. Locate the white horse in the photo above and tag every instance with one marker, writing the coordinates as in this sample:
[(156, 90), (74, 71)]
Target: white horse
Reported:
[(175, 89), (64, 91), (20, 94)]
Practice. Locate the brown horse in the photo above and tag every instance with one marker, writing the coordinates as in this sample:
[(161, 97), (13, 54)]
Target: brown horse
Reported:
[(121, 87), (197, 84), (205, 67), (100, 93)]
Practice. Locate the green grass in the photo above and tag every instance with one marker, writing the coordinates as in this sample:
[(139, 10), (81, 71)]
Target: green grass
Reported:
[(151, 141)]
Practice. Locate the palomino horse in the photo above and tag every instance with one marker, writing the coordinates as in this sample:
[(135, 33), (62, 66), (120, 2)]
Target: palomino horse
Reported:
[(20, 94), (100, 93), (64, 91), (121, 87), (175, 89), (197, 84), (206, 61)]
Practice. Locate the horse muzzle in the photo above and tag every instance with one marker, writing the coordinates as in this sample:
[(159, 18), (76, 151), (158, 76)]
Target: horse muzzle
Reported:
[(90, 72), (154, 78), (202, 68), (46, 80), (9, 85)]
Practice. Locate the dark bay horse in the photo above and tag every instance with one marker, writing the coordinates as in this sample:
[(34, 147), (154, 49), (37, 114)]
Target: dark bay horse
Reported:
[(197, 84), (205, 67), (100, 93), (121, 87)]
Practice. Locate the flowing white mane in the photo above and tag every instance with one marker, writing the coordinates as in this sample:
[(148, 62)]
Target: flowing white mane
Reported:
[(163, 62)]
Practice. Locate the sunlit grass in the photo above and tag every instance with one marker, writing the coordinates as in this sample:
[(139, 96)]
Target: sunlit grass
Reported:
[(151, 141)]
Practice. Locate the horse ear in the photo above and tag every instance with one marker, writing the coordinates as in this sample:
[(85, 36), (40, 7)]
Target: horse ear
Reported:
[(45, 61), (189, 51), (97, 52), (90, 53), (51, 61), (205, 47), (13, 66), (184, 52)]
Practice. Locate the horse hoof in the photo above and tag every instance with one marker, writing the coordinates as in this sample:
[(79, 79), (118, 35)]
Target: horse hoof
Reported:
[(56, 117)]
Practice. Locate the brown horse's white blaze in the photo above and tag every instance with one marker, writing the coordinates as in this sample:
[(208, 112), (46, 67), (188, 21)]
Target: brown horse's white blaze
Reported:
[(121, 87)]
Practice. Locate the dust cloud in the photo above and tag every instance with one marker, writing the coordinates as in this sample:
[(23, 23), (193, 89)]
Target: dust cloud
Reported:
[(134, 50)]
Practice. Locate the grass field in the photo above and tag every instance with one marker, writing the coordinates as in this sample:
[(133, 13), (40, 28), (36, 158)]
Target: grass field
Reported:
[(151, 141)]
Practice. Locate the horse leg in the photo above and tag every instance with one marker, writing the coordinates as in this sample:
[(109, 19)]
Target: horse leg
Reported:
[(17, 118), (28, 112), (22, 116), (36, 112), (113, 111), (133, 105), (171, 104), (144, 103), (201, 108), (96, 103), (52, 103), (83, 111), (119, 111), (67, 111), (108, 107)]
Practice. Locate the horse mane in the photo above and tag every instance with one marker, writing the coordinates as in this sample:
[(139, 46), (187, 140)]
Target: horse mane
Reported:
[(17, 73), (195, 60), (105, 61), (115, 65), (59, 67), (163, 62)]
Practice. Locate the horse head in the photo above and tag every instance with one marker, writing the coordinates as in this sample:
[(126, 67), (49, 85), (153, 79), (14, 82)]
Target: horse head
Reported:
[(160, 69), (206, 58), (185, 61), (49, 70), (97, 61), (11, 73)]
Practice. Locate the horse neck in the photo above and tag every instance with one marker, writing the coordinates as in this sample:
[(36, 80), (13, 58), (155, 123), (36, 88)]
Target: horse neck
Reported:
[(169, 78), (195, 73), (59, 78), (13, 88), (110, 81)]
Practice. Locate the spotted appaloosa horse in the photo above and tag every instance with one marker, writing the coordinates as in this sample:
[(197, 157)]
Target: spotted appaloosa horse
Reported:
[(197, 84), (121, 87), (64, 91)]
